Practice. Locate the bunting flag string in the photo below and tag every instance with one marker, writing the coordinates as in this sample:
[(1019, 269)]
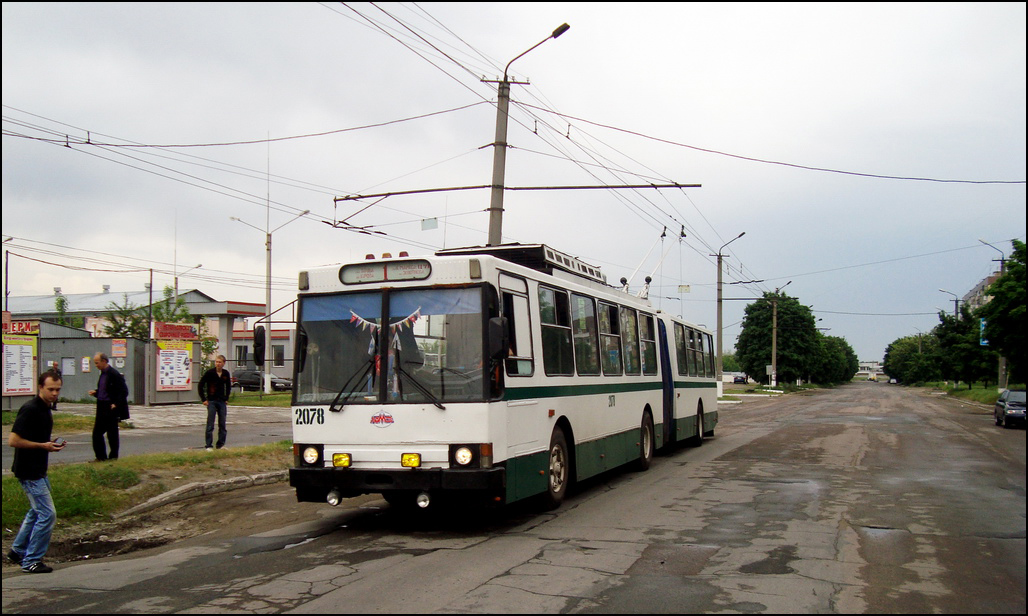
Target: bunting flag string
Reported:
[(394, 328)]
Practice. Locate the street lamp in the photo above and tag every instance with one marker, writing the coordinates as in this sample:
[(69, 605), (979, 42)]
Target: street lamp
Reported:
[(720, 346), (267, 294), (956, 304), (1001, 379), (500, 146), (197, 266), (1002, 257)]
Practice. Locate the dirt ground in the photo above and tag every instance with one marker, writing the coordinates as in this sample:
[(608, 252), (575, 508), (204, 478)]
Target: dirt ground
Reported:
[(243, 510)]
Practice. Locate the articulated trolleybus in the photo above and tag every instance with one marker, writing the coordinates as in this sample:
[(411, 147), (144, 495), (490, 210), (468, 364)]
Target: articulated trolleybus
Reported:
[(497, 373)]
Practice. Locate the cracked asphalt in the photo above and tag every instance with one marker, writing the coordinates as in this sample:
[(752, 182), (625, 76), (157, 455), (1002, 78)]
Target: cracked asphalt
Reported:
[(867, 498)]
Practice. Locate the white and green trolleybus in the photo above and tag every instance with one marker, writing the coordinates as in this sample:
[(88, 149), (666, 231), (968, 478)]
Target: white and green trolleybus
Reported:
[(497, 373)]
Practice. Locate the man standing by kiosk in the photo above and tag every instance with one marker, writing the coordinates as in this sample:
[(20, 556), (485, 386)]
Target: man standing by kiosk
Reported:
[(215, 388), (111, 407)]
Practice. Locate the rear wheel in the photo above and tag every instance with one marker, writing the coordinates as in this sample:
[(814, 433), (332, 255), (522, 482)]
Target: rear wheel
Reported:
[(647, 444), (558, 470), (697, 440)]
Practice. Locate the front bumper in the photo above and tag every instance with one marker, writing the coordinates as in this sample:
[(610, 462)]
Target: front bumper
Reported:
[(314, 484)]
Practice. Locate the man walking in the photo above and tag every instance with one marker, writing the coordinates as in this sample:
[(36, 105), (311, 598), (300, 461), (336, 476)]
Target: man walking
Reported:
[(111, 407), (215, 388), (30, 438)]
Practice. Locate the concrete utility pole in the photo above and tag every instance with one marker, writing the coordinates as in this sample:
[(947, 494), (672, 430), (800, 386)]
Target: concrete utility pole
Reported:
[(1001, 377), (268, 352), (720, 345), (500, 146)]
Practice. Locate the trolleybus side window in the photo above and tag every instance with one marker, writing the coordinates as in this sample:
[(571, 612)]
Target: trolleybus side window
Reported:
[(515, 307), (610, 339), (519, 362), (695, 357), (586, 335), (630, 337), (555, 317), (681, 350), (707, 349), (649, 344)]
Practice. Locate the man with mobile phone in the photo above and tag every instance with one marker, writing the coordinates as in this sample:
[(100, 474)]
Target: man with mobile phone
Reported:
[(31, 439)]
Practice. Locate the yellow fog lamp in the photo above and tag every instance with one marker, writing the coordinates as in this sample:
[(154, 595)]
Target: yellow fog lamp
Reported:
[(410, 460), (341, 460)]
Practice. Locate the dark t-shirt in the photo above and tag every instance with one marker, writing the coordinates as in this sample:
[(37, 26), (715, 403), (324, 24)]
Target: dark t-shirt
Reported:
[(34, 423)]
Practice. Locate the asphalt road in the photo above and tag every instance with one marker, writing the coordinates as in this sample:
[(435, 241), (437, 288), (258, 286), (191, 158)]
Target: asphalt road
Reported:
[(867, 498), (172, 428)]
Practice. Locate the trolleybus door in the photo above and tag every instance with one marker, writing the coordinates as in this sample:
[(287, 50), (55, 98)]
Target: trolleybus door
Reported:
[(667, 383)]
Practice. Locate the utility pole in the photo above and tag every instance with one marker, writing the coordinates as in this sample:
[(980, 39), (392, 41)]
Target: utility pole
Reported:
[(720, 345), (774, 343), (1001, 376), (500, 145)]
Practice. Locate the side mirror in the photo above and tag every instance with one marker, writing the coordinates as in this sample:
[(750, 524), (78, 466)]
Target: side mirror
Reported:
[(258, 345), (499, 338)]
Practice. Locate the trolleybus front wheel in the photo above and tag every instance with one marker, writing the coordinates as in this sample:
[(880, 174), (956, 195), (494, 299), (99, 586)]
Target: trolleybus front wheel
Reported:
[(558, 470)]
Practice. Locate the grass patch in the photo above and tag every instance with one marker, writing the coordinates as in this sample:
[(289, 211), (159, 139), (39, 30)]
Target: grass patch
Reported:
[(89, 492), (258, 398), (65, 423)]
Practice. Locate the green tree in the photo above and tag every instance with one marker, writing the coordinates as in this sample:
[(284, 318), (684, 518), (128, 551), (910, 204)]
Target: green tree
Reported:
[(961, 356), (1005, 314), (171, 309), (836, 362), (61, 305), (729, 363), (798, 344), (126, 321), (913, 359)]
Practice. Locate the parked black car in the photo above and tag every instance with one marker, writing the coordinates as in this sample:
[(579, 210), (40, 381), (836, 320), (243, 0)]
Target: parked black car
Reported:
[(254, 379), (1009, 408)]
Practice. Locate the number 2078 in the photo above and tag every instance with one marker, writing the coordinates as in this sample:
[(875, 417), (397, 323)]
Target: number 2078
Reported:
[(307, 417)]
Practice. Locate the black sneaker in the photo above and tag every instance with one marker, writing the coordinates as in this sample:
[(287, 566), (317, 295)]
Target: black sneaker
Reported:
[(14, 557), (37, 567)]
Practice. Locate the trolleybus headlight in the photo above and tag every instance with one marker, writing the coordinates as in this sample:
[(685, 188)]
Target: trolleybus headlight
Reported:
[(311, 455), (334, 498), (423, 500), (463, 456)]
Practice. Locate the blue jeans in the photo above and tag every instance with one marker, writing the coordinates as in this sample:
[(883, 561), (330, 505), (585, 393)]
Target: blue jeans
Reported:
[(219, 409), (33, 540)]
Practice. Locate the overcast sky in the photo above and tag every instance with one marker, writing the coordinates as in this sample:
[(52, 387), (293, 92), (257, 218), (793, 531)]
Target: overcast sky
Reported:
[(824, 132)]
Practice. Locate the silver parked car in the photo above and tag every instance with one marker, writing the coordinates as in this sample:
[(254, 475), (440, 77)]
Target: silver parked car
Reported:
[(1009, 408)]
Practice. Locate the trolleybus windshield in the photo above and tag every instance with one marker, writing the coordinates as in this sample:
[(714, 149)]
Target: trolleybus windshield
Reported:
[(400, 346)]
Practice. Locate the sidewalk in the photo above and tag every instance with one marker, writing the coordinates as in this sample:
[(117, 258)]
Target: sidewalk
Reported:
[(177, 415)]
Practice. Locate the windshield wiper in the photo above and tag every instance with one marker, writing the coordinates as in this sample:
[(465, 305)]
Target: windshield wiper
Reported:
[(345, 389), (417, 385)]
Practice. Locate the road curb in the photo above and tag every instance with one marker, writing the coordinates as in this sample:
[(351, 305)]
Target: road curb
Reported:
[(204, 488)]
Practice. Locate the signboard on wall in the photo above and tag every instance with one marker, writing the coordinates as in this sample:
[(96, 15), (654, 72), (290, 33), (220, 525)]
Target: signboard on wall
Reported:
[(175, 331), (21, 327), (174, 365), (119, 347), (20, 353)]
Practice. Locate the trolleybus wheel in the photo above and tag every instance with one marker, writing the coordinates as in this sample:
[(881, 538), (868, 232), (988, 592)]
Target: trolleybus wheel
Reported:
[(697, 440), (647, 444), (558, 470)]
